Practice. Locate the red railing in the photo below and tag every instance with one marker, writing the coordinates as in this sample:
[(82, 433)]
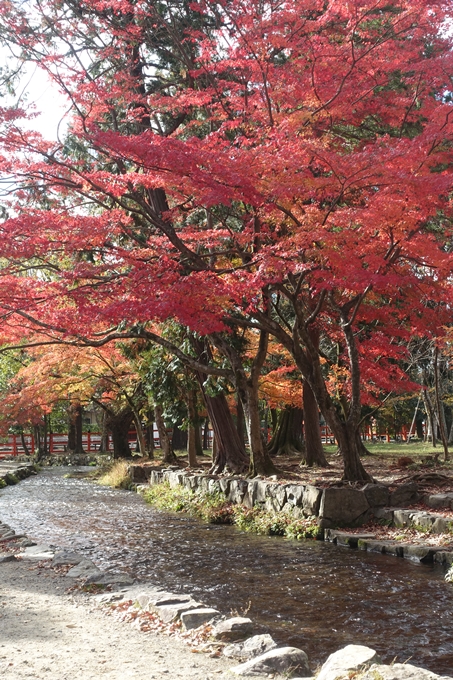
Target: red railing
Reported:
[(56, 444)]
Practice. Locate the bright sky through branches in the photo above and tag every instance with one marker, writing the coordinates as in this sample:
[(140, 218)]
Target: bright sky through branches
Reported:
[(36, 93)]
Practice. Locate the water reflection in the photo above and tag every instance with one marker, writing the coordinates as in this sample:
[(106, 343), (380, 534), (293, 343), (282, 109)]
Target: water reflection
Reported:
[(310, 595)]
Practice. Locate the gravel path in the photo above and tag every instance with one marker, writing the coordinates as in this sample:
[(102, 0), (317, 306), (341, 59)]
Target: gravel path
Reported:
[(46, 632)]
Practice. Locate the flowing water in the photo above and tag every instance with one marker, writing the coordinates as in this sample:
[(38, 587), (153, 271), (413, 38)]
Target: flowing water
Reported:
[(307, 594)]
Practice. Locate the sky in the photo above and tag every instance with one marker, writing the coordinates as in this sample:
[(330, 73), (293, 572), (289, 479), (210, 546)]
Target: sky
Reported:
[(47, 100), (36, 90)]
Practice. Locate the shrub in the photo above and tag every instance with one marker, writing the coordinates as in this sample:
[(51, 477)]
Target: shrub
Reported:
[(215, 509)]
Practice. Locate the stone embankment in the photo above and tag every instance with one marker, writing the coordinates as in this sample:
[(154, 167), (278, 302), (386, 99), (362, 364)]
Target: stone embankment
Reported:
[(12, 471), (334, 507), (233, 638)]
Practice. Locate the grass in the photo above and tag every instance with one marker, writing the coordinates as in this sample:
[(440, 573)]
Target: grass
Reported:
[(215, 509), (397, 448), (116, 476)]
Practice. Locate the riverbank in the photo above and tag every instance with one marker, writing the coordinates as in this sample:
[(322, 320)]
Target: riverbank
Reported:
[(51, 632), (305, 594)]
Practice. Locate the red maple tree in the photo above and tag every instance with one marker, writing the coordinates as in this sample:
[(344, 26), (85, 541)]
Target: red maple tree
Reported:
[(284, 167)]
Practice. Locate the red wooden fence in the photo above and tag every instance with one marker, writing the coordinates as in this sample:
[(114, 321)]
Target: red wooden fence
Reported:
[(57, 443)]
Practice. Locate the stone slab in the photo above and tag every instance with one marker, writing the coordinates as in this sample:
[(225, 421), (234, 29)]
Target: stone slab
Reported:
[(198, 617)]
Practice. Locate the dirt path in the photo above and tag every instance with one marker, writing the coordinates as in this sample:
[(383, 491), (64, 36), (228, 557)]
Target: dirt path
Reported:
[(47, 633)]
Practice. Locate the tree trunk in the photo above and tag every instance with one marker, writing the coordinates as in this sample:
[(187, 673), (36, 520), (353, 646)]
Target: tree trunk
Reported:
[(119, 424), (260, 461), (248, 389), (205, 438), (353, 470), (75, 441), (198, 443), (71, 444), (430, 413), (287, 437), (440, 408), (168, 455), (140, 436), (39, 452), (149, 437), (314, 452), (24, 443), (178, 438), (193, 427), (230, 454), (240, 421), (104, 443), (44, 445)]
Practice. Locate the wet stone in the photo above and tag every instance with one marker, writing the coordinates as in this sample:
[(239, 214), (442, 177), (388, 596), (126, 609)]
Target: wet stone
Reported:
[(419, 553)]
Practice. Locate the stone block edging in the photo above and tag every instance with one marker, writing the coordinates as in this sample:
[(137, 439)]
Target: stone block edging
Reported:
[(333, 507)]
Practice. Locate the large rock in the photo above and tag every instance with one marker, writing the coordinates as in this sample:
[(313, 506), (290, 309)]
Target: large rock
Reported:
[(377, 495), (250, 648), (149, 598), (39, 552), (108, 579), (236, 628), (406, 494), (171, 612), (238, 489), (287, 660), (139, 474), (295, 494), (85, 568), (311, 500), (439, 500), (67, 557), (350, 658), (400, 671), (343, 507), (197, 617)]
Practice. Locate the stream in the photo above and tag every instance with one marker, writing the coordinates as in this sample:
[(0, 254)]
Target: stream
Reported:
[(307, 594)]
